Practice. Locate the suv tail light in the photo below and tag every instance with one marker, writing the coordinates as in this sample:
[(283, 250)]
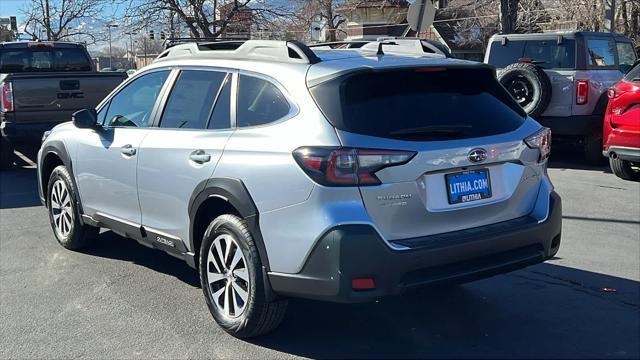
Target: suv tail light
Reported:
[(6, 102), (347, 166), (541, 141), (582, 92)]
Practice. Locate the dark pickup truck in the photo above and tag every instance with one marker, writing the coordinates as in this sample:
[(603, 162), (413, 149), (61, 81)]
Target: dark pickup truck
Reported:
[(42, 84)]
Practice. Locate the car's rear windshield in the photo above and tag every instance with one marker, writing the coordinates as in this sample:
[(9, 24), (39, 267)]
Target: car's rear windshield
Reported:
[(420, 104), (634, 74), (43, 59), (547, 54)]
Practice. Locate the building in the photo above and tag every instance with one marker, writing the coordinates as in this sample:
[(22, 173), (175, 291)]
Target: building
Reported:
[(370, 19), (239, 25)]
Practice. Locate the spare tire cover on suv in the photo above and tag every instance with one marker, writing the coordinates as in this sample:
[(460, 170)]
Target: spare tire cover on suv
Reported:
[(529, 86)]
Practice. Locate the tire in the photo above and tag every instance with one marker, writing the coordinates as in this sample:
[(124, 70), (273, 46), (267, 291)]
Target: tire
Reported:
[(64, 215), (224, 280), (529, 86), (623, 170), (592, 148), (6, 154)]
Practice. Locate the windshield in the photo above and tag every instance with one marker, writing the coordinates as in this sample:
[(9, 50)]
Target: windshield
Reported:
[(420, 104), (13, 60)]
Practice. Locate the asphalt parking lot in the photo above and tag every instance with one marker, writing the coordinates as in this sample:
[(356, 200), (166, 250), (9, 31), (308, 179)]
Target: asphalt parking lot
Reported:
[(122, 300)]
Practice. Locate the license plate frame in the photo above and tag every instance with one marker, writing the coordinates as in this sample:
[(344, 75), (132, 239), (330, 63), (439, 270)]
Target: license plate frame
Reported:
[(468, 176)]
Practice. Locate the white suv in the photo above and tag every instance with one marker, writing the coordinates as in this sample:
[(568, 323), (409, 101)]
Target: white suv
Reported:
[(278, 171)]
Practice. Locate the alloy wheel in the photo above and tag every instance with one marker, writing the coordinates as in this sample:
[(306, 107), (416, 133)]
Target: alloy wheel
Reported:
[(228, 276), (61, 208)]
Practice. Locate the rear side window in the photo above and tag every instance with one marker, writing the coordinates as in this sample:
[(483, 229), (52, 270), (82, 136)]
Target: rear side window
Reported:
[(626, 56), (259, 102), (420, 105), (547, 54), (191, 100), (601, 52), (43, 59)]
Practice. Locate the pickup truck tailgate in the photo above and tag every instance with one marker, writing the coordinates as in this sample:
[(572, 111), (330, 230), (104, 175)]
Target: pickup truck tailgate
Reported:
[(54, 97)]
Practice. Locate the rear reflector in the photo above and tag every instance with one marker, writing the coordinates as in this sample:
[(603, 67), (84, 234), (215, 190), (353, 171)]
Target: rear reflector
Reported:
[(6, 98), (363, 284), (582, 92)]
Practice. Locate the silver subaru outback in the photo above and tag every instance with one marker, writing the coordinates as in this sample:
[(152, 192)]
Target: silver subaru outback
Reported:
[(278, 171)]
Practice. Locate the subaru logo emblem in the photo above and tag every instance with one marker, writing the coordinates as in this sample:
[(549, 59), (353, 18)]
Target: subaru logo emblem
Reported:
[(477, 155)]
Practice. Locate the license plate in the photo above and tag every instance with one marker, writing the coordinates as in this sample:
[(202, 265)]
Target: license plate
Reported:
[(471, 185)]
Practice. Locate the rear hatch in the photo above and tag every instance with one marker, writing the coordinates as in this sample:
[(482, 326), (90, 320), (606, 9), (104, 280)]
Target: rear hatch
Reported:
[(469, 164)]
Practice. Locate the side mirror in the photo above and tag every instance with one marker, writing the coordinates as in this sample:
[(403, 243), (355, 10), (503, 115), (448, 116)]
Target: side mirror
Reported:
[(85, 118)]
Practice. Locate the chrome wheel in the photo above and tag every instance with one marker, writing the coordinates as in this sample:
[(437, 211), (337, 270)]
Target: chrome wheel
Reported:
[(228, 276), (61, 208)]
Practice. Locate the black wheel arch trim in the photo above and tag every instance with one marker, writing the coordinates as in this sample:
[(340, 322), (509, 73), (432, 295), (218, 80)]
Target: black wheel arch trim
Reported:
[(58, 148), (234, 192)]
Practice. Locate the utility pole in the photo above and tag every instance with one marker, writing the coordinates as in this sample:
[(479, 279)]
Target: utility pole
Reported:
[(109, 26), (610, 15), (508, 15), (131, 60)]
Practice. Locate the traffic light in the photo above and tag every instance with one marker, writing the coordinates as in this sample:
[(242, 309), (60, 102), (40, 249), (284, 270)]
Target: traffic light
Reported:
[(151, 35), (162, 37)]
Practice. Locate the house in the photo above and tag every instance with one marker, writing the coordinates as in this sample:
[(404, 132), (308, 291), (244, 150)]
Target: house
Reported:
[(239, 25), (370, 19)]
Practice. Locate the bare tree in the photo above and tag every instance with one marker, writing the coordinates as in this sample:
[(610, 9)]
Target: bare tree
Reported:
[(61, 19), (205, 18)]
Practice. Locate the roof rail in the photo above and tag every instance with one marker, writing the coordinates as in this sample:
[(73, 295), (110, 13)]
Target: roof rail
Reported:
[(353, 44), (173, 41), (263, 50), (386, 45)]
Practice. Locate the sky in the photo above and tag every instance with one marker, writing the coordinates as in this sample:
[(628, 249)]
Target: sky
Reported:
[(12, 8)]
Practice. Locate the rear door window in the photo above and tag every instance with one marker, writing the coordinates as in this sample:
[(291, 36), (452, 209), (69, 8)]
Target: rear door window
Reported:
[(601, 53), (420, 104), (191, 100)]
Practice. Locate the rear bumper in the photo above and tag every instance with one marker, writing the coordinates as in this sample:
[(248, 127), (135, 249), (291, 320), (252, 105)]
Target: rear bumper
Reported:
[(357, 251), (17, 132), (573, 125), (623, 153)]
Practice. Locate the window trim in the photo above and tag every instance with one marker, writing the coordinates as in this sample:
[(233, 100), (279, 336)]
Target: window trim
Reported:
[(294, 109), (107, 100)]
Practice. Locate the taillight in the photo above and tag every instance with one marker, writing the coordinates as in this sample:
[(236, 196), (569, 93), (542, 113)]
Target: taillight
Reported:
[(582, 92), (541, 140), (6, 103), (347, 166)]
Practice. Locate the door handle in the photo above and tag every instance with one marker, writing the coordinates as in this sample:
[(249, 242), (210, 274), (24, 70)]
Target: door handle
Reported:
[(128, 150), (200, 157)]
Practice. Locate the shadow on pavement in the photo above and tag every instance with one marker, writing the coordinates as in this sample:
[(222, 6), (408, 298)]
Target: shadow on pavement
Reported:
[(113, 246), (19, 188), (570, 156), (542, 311)]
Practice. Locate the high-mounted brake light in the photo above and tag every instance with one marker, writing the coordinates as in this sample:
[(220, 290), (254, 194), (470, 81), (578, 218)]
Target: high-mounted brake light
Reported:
[(347, 166), (6, 100), (541, 140), (582, 92)]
